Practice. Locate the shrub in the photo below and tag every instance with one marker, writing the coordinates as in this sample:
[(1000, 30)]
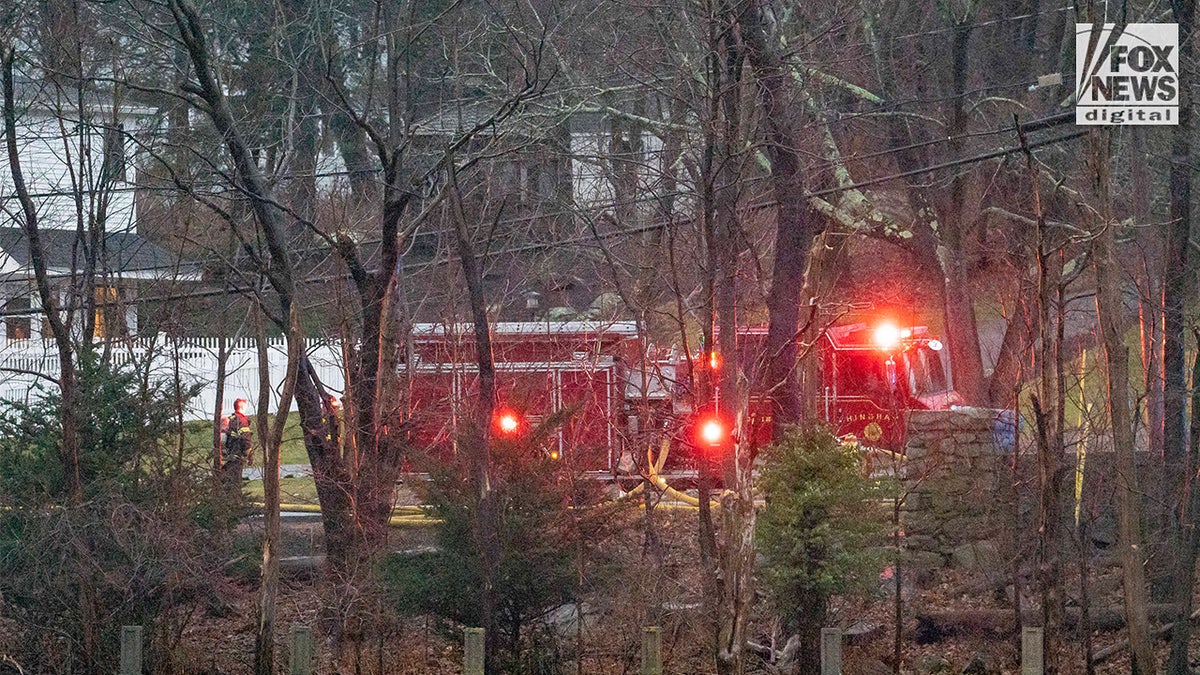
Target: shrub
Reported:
[(124, 421), (819, 532), (144, 546), (551, 521)]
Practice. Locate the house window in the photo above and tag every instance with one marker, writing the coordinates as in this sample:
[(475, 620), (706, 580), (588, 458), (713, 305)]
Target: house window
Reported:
[(110, 314), (17, 322), (113, 169)]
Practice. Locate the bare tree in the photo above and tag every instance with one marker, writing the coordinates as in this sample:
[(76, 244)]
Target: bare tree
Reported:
[(61, 331), (356, 490), (1108, 310), (1179, 284)]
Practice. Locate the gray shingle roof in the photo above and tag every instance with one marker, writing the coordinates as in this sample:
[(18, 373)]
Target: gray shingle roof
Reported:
[(123, 251)]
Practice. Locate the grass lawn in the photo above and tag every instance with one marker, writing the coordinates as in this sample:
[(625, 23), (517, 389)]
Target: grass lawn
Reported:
[(198, 440), (291, 490)]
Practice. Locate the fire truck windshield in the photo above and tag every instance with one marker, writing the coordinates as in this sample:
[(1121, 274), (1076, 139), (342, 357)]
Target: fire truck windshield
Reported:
[(864, 373), (926, 376)]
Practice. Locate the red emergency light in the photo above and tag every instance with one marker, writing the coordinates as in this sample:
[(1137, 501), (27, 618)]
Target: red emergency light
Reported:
[(712, 431), (714, 360), (888, 337), (507, 422)]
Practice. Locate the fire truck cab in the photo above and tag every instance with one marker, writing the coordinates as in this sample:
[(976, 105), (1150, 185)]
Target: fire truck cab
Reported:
[(869, 376), (872, 374)]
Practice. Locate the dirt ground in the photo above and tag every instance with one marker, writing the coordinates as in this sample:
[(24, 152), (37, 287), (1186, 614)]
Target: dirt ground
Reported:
[(610, 641)]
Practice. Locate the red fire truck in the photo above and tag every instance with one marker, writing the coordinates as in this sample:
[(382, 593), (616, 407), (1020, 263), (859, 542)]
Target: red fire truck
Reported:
[(868, 376), (617, 392), (542, 368)]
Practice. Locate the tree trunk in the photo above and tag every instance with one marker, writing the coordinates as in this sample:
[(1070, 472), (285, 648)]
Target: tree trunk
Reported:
[(1021, 325), (1178, 279), (1108, 310), (797, 223), (264, 639), (68, 377), (277, 268), (335, 489), (966, 360), (479, 442), (1179, 284), (68, 386), (218, 413), (1051, 472), (333, 485), (736, 554), (1149, 294), (936, 242), (1189, 541)]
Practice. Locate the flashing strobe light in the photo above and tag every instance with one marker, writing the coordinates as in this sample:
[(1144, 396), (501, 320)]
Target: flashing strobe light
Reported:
[(887, 336), (714, 360), (712, 431), (508, 423)]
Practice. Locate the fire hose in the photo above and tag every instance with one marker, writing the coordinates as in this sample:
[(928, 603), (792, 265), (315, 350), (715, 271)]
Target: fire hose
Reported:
[(654, 467), (403, 516)]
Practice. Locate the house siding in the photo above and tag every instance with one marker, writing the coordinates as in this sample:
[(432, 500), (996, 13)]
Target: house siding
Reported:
[(62, 159)]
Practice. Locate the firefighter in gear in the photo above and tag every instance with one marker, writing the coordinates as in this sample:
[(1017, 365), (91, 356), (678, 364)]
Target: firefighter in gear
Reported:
[(237, 448)]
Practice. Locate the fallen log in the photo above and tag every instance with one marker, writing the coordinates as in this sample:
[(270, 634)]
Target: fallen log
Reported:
[(300, 567), (936, 625), (1114, 649)]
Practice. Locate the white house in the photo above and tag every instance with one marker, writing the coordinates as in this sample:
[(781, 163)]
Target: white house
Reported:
[(76, 165)]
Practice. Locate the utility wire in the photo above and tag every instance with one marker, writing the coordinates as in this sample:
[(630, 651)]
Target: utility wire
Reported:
[(1032, 125), (624, 232)]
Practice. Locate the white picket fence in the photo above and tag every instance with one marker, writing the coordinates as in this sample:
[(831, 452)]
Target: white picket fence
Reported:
[(24, 362)]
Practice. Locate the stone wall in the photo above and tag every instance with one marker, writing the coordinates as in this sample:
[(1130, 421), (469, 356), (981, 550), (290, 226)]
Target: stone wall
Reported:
[(967, 506), (955, 478)]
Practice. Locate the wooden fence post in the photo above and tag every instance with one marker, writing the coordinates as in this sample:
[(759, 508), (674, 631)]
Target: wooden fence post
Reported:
[(1032, 659), (473, 651), (831, 651), (300, 653), (652, 650), (131, 650)]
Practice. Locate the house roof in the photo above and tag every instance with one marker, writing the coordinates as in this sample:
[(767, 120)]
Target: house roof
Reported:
[(454, 119), (126, 253), (39, 96)]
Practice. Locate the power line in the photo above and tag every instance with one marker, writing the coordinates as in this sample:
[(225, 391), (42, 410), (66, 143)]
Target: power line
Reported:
[(1033, 125), (581, 239), (982, 24), (947, 165)]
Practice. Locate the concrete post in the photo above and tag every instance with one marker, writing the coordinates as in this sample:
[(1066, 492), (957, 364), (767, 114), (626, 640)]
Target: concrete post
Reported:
[(831, 651), (652, 651), (131, 650), (300, 653), (473, 651), (1032, 659)]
